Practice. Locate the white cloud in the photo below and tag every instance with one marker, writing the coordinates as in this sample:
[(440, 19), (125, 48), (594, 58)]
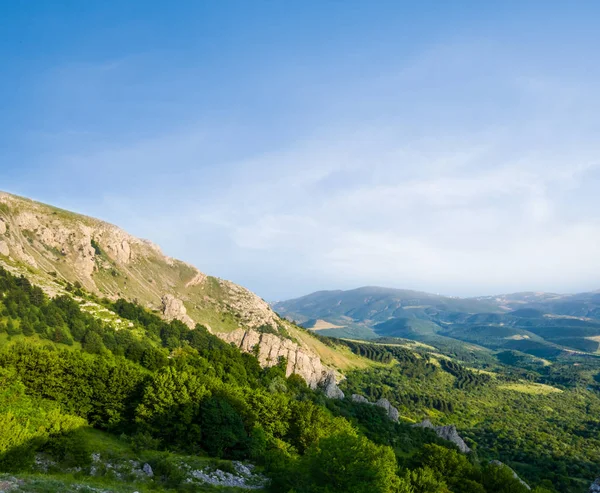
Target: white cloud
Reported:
[(421, 190)]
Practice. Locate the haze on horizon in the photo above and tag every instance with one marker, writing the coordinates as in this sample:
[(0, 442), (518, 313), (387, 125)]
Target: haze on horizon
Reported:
[(299, 146)]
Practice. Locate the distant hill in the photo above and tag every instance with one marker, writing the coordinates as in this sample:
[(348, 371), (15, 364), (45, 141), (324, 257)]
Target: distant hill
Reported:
[(540, 324)]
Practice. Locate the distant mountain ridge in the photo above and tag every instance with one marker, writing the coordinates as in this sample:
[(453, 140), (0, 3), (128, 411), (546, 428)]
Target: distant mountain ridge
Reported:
[(542, 324)]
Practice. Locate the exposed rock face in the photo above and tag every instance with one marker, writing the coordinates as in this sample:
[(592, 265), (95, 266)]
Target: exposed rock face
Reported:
[(391, 411), (497, 463), (271, 347), (330, 388), (360, 399), (447, 433), (173, 308), (256, 311), (4, 250), (2, 227), (595, 487)]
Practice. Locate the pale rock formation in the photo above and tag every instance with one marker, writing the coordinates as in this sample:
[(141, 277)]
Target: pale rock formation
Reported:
[(2, 227), (256, 312), (391, 411), (330, 388), (497, 463), (447, 433), (4, 250), (173, 308), (270, 348), (595, 487)]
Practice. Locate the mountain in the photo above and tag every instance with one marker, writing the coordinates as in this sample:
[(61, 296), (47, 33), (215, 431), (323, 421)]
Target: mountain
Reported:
[(540, 324), (56, 248)]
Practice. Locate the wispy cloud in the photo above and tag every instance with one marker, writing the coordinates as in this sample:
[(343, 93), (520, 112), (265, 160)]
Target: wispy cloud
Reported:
[(465, 171)]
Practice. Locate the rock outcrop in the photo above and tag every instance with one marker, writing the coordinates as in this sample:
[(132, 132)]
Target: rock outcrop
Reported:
[(330, 387), (497, 463), (174, 309), (391, 412), (360, 399), (447, 433), (270, 348), (595, 487)]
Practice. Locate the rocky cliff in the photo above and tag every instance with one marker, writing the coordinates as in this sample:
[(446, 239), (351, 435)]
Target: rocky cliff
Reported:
[(447, 433), (54, 247)]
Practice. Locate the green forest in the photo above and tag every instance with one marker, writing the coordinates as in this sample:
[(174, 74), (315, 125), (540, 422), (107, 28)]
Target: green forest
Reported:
[(70, 382)]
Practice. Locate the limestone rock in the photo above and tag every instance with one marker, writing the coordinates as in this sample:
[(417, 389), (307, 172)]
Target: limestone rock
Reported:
[(256, 312), (391, 411), (447, 433), (174, 309), (330, 388), (595, 487), (497, 463), (4, 250), (269, 348), (2, 227)]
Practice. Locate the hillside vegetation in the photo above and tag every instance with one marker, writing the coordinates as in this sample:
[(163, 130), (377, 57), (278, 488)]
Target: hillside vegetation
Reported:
[(161, 406)]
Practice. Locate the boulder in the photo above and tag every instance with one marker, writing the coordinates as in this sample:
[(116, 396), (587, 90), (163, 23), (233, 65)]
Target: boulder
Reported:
[(173, 308), (595, 487), (359, 399), (330, 388)]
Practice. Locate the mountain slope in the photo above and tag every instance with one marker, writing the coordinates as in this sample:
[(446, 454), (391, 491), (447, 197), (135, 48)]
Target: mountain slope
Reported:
[(54, 247)]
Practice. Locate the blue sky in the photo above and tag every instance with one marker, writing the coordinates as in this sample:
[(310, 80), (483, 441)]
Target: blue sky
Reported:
[(292, 145)]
